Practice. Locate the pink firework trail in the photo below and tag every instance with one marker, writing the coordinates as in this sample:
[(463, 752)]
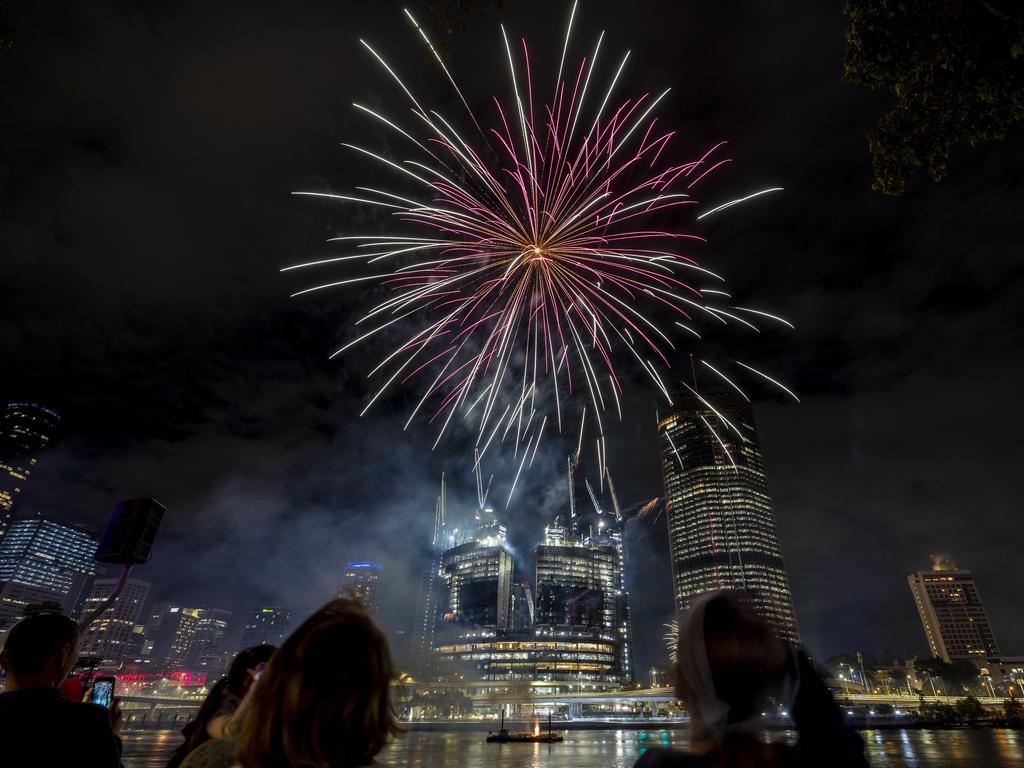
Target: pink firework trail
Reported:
[(532, 254)]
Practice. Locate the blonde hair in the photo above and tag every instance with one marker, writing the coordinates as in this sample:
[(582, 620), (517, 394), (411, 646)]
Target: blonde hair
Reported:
[(324, 698)]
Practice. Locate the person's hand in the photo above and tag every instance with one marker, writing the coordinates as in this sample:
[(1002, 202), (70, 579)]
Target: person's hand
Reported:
[(116, 716)]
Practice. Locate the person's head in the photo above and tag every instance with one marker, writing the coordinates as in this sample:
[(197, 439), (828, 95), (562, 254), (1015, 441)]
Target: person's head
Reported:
[(246, 667), (729, 660), (239, 678), (40, 651), (746, 659), (324, 698)]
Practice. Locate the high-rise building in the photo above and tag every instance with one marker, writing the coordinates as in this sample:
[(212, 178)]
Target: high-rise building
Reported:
[(111, 637), (41, 552), (208, 647), (170, 634), (952, 614), (266, 626), (25, 430), (581, 595), (477, 577), (720, 520), (18, 600), (361, 582), (42, 560), (569, 632)]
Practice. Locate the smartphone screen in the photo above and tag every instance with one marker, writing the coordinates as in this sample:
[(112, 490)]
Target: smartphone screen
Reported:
[(103, 691)]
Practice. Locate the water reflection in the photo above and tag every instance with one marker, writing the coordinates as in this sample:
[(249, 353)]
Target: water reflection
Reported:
[(962, 748), (956, 748)]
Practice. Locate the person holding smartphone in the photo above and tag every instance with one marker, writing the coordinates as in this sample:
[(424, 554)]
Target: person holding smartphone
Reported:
[(38, 726)]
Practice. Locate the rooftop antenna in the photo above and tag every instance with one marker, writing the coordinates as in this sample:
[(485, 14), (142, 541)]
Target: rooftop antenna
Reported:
[(693, 372)]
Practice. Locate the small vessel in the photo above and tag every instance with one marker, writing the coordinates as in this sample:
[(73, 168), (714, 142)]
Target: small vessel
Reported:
[(536, 736)]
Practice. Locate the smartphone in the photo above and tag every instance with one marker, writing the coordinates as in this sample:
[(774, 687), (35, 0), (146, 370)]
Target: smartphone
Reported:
[(103, 691)]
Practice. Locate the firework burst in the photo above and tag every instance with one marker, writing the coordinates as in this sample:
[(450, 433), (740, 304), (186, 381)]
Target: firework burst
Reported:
[(534, 255)]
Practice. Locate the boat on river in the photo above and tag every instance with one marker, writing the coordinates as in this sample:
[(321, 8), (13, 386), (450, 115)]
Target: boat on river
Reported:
[(536, 736)]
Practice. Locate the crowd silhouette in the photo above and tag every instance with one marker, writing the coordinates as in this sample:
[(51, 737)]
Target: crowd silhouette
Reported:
[(323, 699)]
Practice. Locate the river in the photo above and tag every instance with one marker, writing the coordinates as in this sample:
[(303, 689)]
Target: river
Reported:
[(957, 748)]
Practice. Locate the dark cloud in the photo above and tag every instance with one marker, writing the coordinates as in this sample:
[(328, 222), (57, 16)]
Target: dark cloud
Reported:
[(148, 153)]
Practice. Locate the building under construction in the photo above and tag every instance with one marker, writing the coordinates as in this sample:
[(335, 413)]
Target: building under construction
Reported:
[(482, 622)]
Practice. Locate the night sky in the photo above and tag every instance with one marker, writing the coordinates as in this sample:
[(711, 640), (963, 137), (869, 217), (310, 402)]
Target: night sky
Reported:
[(147, 155)]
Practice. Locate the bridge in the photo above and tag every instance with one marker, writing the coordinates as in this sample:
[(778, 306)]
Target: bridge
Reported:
[(643, 703)]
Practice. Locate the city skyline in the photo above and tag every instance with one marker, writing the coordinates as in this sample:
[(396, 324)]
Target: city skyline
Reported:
[(576, 606), (481, 524), (164, 336)]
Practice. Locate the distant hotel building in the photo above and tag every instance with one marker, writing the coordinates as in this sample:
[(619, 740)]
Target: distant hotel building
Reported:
[(361, 582), (720, 521), (113, 638), (952, 614), (43, 561), (25, 430), (266, 626)]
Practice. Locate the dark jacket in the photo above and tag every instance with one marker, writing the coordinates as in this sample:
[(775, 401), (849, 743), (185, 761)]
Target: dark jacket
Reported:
[(39, 727)]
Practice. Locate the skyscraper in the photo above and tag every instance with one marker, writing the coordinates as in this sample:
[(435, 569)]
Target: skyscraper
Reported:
[(110, 637), (361, 582), (211, 630), (952, 614), (477, 577), (25, 430), (41, 560), (720, 521), (170, 634), (41, 552), (580, 594), (266, 626)]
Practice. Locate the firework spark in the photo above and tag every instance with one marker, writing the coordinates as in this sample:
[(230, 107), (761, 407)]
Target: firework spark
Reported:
[(534, 253), (671, 638)]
